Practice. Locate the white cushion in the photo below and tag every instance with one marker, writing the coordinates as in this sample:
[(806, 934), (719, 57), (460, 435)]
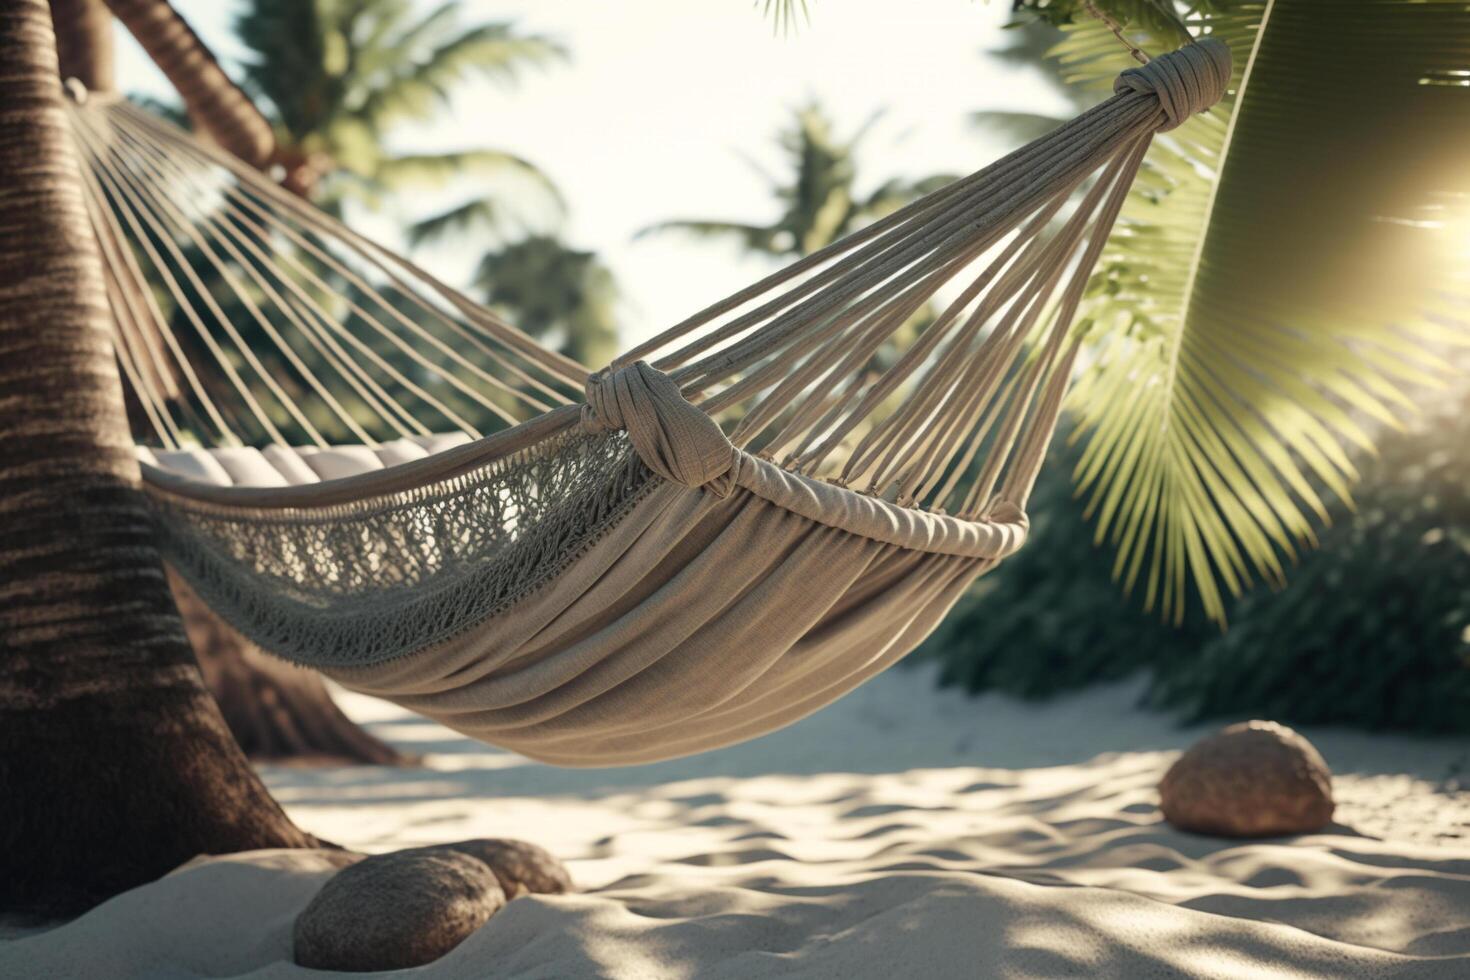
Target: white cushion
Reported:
[(400, 451), (342, 461), (439, 443), (195, 464), (249, 468), (287, 462), (280, 466)]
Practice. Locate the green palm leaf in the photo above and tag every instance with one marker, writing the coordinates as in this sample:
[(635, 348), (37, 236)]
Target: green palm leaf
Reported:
[(421, 84), (481, 212), (1281, 280), (535, 199), (753, 238), (785, 15), (819, 197)]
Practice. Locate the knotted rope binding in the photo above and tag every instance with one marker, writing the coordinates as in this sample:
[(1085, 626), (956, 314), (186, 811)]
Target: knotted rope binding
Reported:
[(675, 439), (1186, 81)]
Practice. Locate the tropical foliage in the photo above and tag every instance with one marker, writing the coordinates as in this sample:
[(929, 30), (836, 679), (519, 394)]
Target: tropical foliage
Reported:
[(1028, 44), (1050, 618), (552, 290), (1281, 278), (1156, 18), (819, 197), (339, 77), (1373, 628), (555, 293)]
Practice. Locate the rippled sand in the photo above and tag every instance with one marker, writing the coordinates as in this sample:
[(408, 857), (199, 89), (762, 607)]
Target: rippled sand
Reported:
[(903, 832)]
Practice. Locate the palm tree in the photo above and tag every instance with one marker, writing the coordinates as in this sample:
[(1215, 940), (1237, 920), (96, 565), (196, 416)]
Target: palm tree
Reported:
[(338, 76), (84, 41), (820, 201), (1282, 277), (551, 290), (117, 765)]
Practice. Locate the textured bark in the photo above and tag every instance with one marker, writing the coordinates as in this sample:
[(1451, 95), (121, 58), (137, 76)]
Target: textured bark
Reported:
[(215, 103), (276, 711), (116, 764)]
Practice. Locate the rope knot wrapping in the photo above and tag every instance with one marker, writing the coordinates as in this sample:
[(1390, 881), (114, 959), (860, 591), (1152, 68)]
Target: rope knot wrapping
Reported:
[(675, 439), (1186, 81)]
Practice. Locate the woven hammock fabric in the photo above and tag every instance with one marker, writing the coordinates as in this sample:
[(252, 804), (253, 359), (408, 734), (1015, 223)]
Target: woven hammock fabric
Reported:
[(736, 523)]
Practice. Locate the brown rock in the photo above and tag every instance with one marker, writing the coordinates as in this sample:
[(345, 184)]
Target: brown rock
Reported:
[(395, 911), (521, 867), (1254, 779)]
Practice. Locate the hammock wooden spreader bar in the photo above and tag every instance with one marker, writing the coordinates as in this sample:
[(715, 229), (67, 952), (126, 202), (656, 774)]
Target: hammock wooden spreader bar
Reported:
[(729, 526)]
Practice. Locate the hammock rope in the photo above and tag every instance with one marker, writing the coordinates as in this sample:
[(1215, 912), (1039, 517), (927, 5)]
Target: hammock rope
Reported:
[(733, 523)]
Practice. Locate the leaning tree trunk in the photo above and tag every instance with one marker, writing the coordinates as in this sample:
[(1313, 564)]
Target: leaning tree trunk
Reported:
[(215, 103), (115, 765), (218, 107), (274, 710)]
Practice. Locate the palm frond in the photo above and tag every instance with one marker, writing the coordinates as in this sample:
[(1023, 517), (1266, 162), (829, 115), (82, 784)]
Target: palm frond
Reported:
[(422, 84), (442, 169), (754, 238), (1156, 19), (1278, 283), (482, 212), (786, 16)]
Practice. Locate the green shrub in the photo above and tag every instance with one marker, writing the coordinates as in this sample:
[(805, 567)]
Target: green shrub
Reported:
[(1051, 618), (1373, 628)]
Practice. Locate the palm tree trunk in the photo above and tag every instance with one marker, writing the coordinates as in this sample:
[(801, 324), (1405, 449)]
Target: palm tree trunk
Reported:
[(215, 103), (116, 764), (274, 711)]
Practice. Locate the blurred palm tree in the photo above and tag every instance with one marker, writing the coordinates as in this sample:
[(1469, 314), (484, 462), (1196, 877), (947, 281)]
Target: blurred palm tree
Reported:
[(339, 76), (1029, 42), (342, 74), (556, 294), (819, 198), (821, 203)]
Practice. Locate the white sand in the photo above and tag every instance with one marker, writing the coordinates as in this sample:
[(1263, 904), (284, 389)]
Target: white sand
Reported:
[(903, 832)]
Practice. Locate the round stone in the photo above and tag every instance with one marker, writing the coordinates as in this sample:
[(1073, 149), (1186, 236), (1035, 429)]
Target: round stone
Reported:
[(396, 911), (521, 867), (1254, 779)]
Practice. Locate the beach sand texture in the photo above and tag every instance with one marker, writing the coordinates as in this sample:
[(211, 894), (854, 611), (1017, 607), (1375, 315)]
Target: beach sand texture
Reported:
[(903, 832)]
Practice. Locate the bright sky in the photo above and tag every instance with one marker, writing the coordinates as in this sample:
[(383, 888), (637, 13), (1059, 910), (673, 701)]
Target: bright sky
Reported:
[(663, 98)]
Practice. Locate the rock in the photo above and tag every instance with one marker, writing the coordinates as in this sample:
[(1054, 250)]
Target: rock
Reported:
[(395, 911), (408, 908), (521, 867), (1254, 779)]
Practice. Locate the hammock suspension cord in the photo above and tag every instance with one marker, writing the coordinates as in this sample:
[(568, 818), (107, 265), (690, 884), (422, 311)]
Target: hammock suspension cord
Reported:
[(795, 365)]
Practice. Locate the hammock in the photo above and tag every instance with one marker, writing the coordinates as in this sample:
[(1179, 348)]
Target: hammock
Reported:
[(732, 525)]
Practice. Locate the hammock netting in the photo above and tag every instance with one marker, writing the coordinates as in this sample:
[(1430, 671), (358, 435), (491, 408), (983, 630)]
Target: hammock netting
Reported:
[(728, 527)]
